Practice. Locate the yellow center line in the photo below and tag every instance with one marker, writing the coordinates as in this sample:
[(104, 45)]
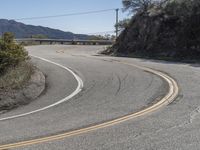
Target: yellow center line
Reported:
[(168, 98)]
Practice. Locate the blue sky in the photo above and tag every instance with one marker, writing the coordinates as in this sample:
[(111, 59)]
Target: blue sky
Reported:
[(92, 23)]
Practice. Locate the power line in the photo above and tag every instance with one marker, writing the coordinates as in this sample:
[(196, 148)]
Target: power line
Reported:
[(65, 15)]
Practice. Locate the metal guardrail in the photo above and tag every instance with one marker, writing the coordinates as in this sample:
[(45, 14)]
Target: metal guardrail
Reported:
[(65, 41)]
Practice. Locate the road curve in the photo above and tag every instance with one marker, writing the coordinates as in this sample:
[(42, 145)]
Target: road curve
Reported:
[(74, 93), (114, 88)]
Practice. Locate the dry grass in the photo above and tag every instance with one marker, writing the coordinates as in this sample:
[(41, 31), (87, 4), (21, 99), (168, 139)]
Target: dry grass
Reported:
[(16, 77)]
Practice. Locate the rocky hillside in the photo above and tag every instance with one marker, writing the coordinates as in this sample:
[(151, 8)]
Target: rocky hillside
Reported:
[(168, 31), (26, 31)]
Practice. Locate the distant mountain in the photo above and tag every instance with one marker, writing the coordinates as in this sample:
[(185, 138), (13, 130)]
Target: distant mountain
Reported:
[(26, 31)]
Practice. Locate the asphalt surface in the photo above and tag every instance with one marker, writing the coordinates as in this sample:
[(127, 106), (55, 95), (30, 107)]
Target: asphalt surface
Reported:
[(111, 90)]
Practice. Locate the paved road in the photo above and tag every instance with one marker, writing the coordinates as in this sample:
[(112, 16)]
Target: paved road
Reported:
[(111, 90)]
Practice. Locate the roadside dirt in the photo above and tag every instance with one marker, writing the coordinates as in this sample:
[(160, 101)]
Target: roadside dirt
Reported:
[(10, 99)]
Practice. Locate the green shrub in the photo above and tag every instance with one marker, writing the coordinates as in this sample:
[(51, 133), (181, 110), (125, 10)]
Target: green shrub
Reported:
[(11, 54), (16, 77)]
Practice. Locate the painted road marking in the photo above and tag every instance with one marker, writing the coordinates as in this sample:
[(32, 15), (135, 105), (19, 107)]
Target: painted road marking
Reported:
[(78, 90), (169, 97)]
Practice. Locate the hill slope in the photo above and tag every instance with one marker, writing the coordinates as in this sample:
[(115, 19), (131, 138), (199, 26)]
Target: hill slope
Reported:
[(171, 32), (26, 31)]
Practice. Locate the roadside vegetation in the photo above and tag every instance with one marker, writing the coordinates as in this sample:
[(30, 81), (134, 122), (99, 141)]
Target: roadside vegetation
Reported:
[(15, 69), (16, 77), (101, 37), (168, 29), (39, 36)]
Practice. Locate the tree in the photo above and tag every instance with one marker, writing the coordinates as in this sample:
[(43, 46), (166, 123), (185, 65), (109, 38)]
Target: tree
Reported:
[(123, 24), (136, 5)]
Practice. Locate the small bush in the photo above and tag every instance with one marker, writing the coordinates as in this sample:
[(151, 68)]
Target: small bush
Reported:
[(11, 54), (16, 77)]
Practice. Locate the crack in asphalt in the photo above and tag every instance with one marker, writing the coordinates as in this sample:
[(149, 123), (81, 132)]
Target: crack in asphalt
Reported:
[(194, 114)]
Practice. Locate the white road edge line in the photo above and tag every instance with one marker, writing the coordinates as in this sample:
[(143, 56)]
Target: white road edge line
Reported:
[(167, 99), (78, 90)]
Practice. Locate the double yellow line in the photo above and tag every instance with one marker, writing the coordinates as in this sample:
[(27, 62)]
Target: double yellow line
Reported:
[(168, 98)]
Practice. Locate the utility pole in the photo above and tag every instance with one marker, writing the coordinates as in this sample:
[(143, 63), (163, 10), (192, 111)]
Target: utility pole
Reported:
[(117, 21)]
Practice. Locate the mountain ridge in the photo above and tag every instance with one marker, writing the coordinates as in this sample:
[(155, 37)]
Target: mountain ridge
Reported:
[(22, 30)]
